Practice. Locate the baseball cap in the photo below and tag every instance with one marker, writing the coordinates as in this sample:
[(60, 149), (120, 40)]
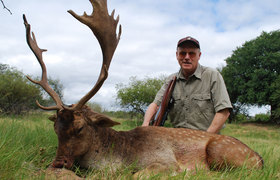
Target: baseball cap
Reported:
[(189, 38)]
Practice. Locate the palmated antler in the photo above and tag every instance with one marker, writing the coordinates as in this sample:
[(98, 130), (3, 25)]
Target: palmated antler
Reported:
[(104, 27), (31, 41)]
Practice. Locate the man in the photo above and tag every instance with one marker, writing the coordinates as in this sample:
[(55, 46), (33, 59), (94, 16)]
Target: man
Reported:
[(200, 97)]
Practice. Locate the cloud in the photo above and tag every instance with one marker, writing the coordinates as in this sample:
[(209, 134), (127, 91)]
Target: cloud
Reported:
[(151, 30)]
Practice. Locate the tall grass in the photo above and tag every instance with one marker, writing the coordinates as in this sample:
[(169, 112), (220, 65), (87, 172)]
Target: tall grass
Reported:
[(28, 145)]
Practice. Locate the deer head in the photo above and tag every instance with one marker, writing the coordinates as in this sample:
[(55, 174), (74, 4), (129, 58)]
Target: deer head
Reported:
[(72, 118)]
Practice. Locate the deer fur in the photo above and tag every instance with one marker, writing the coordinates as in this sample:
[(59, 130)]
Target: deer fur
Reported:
[(87, 138)]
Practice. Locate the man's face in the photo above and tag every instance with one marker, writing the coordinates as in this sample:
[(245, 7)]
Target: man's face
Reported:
[(188, 56)]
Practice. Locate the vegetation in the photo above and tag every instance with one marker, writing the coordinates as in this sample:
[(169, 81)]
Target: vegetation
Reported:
[(138, 94), (18, 95), (95, 107), (28, 146), (252, 74)]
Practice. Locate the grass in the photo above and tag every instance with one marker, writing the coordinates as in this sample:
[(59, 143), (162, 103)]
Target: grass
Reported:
[(28, 145)]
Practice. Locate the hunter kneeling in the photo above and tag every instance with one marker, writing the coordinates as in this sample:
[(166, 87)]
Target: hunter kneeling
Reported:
[(199, 96)]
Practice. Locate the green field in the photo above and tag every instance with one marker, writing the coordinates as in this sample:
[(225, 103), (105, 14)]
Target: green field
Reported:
[(28, 145)]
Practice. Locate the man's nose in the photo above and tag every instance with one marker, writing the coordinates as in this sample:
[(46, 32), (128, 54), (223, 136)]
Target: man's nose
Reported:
[(187, 56)]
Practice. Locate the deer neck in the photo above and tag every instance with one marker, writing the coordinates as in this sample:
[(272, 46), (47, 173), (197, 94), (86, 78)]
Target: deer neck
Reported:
[(106, 149)]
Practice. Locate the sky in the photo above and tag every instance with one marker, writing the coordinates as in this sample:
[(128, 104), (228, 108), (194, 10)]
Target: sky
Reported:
[(150, 32)]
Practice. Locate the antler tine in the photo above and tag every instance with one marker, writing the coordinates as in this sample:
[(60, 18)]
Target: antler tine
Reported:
[(31, 41), (104, 28)]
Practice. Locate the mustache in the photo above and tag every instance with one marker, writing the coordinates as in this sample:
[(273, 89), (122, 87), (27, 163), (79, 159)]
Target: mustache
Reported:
[(186, 62)]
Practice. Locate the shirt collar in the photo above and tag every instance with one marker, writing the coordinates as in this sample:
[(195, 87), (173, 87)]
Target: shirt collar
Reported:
[(196, 74)]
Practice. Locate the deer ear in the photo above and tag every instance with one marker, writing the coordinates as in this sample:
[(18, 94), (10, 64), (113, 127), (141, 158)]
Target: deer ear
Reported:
[(53, 117), (102, 120)]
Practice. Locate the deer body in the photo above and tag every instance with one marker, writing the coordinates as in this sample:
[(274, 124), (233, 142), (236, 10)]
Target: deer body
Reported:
[(90, 141), (146, 146), (87, 137)]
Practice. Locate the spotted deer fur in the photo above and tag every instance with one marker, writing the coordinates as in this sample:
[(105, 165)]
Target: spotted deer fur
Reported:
[(87, 138)]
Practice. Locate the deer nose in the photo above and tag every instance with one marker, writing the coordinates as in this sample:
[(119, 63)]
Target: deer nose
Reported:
[(57, 164), (63, 162)]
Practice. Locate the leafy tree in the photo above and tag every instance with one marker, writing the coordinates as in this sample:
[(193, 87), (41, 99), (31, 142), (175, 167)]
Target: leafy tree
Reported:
[(138, 94), (16, 93), (275, 99), (252, 73), (3, 68)]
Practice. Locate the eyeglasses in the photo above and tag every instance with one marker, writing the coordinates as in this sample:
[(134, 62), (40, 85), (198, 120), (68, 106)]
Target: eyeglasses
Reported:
[(183, 54)]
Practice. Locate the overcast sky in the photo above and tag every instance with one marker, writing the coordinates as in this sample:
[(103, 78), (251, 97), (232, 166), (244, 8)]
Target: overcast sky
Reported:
[(151, 29)]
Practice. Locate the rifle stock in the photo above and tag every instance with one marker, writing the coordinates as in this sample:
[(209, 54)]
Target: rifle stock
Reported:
[(161, 115)]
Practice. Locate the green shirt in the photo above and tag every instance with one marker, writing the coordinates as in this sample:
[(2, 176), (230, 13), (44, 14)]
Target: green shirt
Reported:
[(196, 99)]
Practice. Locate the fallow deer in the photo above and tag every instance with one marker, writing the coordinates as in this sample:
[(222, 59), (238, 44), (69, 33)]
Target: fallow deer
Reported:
[(86, 137)]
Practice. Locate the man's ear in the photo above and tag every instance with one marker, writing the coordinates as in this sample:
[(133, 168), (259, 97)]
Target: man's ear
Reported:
[(53, 117), (199, 54), (102, 120)]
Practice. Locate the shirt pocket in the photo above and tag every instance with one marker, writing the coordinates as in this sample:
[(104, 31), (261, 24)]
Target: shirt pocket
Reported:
[(176, 113), (177, 105), (203, 102)]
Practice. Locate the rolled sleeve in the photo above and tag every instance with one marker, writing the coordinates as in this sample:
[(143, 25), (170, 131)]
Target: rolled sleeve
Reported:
[(220, 95)]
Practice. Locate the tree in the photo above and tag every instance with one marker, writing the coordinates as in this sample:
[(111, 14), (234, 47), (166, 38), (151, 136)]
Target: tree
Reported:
[(275, 99), (138, 94), (252, 72), (16, 93), (6, 7)]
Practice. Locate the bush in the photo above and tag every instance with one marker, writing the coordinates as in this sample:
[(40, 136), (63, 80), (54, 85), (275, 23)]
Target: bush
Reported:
[(262, 117), (138, 94), (17, 94), (239, 118)]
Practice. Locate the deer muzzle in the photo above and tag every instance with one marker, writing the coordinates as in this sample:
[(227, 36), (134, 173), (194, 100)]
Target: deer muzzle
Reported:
[(63, 161)]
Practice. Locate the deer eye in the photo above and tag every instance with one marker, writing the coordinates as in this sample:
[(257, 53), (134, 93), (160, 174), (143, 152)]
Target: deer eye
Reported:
[(80, 130)]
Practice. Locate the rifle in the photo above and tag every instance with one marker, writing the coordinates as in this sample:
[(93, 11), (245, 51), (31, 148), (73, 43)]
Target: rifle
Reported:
[(161, 115)]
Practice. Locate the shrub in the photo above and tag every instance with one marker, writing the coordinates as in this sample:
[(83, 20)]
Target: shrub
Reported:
[(262, 117), (17, 94)]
